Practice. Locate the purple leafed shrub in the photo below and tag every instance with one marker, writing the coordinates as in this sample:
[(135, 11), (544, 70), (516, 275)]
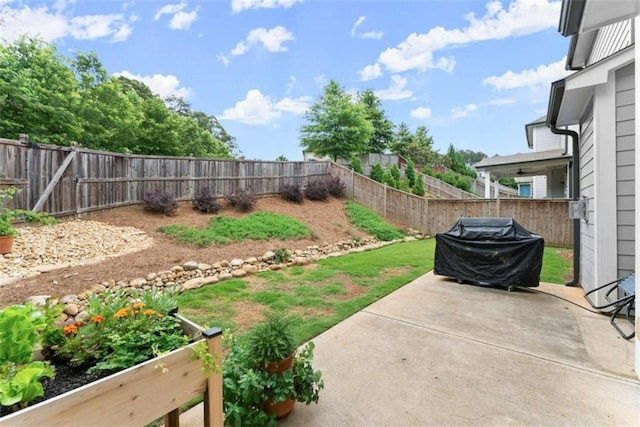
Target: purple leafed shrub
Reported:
[(292, 193), (336, 186), (316, 190), (160, 201), (205, 201), (241, 200)]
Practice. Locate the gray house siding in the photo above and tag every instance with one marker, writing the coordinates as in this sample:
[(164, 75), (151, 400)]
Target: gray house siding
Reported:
[(587, 228), (625, 169), (611, 39)]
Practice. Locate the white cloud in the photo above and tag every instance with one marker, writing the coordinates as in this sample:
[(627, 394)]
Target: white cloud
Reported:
[(370, 72), (240, 5), (51, 25), (542, 75), (367, 35), (293, 82), (180, 19), (419, 51), (375, 35), (421, 113), (258, 109), (272, 40), (161, 85), (294, 105), (459, 112), (396, 90), (358, 22), (321, 80), (221, 57)]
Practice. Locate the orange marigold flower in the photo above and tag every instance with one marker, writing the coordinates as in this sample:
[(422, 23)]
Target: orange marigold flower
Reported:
[(78, 323), (97, 318), (138, 305), (160, 315), (123, 312), (149, 312), (70, 329)]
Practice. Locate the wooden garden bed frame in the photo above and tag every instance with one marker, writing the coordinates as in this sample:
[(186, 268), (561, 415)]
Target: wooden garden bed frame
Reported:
[(138, 395)]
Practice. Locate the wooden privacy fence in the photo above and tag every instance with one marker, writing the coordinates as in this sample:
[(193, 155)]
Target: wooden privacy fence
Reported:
[(71, 180), (547, 217)]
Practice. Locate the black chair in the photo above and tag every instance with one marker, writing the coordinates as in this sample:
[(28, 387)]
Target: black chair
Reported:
[(621, 296)]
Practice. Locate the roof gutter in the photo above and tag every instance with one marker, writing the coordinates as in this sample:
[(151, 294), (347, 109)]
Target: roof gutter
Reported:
[(553, 110), (570, 16)]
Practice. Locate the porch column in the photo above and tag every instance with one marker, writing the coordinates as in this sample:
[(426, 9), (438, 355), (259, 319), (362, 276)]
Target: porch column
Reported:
[(496, 189), (487, 184)]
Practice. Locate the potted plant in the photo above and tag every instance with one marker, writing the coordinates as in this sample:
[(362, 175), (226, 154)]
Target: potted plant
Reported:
[(7, 231), (263, 375), (7, 236), (118, 336)]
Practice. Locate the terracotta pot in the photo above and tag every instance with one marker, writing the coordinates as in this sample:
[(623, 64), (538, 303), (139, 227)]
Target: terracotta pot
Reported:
[(6, 244), (280, 366), (280, 409)]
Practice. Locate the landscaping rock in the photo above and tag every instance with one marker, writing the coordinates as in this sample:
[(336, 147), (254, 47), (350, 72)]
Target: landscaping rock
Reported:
[(190, 265), (38, 300)]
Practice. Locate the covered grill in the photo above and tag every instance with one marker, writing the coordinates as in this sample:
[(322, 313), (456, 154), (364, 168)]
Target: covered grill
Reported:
[(489, 252)]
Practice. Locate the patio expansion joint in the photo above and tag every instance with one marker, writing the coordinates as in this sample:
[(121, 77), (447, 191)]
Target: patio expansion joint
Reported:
[(626, 380)]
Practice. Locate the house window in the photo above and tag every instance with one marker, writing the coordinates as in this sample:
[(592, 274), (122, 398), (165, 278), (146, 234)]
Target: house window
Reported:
[(524, 190)]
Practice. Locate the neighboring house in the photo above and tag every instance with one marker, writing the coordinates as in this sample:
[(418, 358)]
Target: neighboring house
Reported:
[(539, 174), (600, 98)]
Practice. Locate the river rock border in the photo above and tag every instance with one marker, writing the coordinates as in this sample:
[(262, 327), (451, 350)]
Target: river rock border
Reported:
[(194, 274)]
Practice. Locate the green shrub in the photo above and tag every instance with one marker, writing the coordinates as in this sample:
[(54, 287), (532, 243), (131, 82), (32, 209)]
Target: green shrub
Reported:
[(356, 165), (418, 188), (377, 173)]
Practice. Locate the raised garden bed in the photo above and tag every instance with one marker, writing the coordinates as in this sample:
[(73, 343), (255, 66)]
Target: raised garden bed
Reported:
[(140, 394)]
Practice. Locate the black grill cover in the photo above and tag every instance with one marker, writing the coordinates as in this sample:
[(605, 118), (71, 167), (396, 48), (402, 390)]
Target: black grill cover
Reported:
[(489, 252)]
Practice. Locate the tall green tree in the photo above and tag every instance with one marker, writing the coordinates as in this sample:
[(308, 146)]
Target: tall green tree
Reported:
[(337, 127), (401, 140), (38, 93), (382, 136), (420, 149)]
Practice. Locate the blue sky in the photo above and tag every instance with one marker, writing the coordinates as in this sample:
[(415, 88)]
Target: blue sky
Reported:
[(472, 72)]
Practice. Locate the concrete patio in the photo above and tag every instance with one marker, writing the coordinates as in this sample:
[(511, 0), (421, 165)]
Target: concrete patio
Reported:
[(439, 353)]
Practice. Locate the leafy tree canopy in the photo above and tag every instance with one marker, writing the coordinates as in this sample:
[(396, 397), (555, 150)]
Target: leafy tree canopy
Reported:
[(57, 100), (382, 136), (337, 127)]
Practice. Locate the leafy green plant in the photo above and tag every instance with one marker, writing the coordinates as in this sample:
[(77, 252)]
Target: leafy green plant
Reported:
[(121, 333), (19, 375), (272, 340), (371, 222), (246, 387), (377, 173), (356, 165), (418, 187), (282, 256), (257, 226), (410, 173), (8, 215)]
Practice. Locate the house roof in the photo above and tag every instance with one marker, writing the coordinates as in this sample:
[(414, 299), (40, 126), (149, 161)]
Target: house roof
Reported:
[(528, 164), (570, 96), (529, 128)]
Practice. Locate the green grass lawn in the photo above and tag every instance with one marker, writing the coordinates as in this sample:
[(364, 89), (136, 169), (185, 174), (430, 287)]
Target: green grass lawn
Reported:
[(322, 295), (224, 229)]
